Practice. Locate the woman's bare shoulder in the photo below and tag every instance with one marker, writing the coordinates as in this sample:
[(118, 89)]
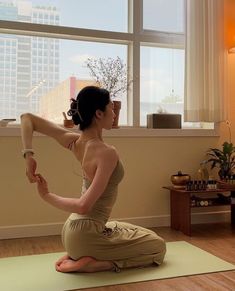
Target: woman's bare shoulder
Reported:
[(104, 151)]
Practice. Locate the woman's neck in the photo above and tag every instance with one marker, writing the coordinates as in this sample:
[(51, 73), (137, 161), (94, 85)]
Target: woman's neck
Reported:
[(90, 134)]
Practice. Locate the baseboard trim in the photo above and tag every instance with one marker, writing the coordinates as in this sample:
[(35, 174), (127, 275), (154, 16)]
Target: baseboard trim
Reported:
[(164, 220), (30, 230), (34, 230), (147, 221)]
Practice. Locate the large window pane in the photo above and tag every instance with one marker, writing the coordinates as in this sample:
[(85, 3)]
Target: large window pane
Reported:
[(108, 15), (162, 81), (36, 72), (164, 15), (43, 79)]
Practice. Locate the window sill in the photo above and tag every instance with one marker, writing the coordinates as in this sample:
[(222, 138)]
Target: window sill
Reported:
[(133, 132), (152, 132)]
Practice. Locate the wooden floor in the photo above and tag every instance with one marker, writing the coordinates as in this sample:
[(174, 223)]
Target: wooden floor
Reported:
[(217, 239)]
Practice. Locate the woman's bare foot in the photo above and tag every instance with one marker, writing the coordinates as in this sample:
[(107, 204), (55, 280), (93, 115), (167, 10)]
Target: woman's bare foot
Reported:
[(57, 264), (85, 265)]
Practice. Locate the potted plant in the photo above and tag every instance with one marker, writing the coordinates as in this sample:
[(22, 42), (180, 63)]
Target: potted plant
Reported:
[(223, 158), (110, 74)]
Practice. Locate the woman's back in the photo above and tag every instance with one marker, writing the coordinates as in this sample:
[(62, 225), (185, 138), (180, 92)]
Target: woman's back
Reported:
[(88, 153)]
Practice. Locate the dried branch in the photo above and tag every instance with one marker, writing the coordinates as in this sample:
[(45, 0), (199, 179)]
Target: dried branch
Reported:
[(110, 74)]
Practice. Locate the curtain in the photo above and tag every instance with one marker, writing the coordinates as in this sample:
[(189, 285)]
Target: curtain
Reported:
[(205, 62)]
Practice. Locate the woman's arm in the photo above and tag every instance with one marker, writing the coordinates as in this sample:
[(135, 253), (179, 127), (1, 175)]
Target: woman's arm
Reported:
[(31, 123), (106, 163), (66, 204)]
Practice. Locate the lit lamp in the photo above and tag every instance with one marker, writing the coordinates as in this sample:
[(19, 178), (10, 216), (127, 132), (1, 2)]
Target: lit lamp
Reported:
[(232, 50)]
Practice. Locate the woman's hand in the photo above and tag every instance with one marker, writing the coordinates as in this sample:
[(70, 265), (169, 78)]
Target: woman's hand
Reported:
[(42, 186), (63, 203), (31, 166)]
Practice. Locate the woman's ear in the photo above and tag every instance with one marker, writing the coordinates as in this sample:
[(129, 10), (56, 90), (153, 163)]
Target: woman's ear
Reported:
[(99, 114)]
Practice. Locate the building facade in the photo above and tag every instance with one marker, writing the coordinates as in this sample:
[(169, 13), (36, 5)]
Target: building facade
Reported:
[(56, 101), (29, 66)]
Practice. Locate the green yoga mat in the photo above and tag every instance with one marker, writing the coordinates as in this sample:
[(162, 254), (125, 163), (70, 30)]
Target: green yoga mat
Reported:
[(36, 272)]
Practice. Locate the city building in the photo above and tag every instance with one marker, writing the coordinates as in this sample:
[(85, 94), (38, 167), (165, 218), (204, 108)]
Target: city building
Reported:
[(57, 100), (29, 66)]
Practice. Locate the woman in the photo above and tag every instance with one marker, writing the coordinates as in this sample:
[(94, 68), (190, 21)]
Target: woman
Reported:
[(91, 242)]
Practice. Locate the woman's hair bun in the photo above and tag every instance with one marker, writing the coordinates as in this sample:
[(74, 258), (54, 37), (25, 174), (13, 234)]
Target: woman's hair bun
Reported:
[(74, 112)]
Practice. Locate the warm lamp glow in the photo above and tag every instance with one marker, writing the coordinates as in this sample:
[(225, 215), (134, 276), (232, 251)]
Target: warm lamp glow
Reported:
[(232, 46)]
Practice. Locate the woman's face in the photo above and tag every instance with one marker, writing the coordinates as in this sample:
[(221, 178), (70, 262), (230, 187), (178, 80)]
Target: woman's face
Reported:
[(109, 116)]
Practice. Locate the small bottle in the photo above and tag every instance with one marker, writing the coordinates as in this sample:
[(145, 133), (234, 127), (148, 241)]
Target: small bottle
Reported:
[(210, 183), (204, 185), (215, 184), (231, 179), (195, 185), (200, 185)]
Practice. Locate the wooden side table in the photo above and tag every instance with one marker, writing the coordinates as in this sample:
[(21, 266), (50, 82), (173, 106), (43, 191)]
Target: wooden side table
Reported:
[(180, 207)]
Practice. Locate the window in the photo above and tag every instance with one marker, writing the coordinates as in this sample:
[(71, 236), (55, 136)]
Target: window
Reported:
[(162, 81), (159, 17), (150, 41)]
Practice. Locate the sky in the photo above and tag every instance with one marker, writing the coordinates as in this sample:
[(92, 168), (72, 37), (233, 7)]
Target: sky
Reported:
[(102, 14), (95, 14), (161, 69)]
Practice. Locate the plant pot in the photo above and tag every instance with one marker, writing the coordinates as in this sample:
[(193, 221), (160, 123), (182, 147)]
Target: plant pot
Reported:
[(116, 109), (68, 123)]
